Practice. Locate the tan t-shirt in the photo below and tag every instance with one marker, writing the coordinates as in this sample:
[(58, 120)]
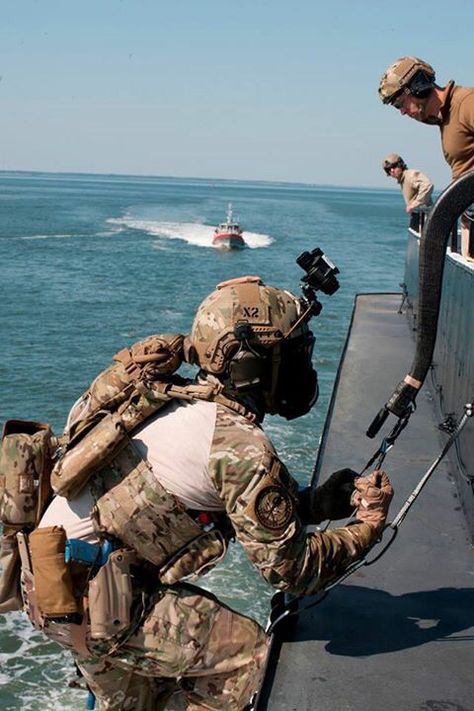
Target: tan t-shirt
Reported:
[(457, 129), (416, 188)]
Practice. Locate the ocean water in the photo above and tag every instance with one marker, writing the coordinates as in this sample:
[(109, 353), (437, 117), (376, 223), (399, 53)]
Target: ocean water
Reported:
[(92, 263)]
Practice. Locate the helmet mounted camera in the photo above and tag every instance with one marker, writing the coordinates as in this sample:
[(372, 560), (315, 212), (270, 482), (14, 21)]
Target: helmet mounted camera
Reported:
[(320, 276), (255, 339)]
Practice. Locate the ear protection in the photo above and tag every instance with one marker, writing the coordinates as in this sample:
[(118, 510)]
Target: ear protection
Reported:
[(421, 85), (247, 366), (246, 369)]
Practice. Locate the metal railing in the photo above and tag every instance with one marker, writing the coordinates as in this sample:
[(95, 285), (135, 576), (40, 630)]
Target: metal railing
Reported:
[(461, 240), (417, 221)]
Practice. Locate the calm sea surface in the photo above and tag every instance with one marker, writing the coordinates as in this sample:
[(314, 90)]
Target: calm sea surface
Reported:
[(91, 263)]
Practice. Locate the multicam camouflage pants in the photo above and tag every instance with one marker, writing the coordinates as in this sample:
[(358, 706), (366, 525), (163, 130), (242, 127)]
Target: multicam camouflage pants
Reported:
[(190, 653)]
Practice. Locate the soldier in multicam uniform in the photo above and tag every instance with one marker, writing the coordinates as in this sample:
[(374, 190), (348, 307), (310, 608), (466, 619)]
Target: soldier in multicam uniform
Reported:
[(206, 461)]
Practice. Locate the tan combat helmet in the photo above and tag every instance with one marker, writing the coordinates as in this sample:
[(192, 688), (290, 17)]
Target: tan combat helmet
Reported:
[(400, 77), (249, 334), (391, 161), (270, 313)]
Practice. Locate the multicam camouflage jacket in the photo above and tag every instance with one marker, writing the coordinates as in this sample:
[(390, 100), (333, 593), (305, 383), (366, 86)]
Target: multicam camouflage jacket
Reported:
[(261, 500), (245, 482)]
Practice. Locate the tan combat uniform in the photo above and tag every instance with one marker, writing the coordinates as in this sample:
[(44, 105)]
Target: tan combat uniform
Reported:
[(416, 188), (187, 642), (457, 128), (457, 139)]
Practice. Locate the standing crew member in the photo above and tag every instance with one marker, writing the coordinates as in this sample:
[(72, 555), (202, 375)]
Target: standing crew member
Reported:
[(416, 187), (191, 477)]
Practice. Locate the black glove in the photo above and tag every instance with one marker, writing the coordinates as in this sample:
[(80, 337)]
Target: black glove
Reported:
[(331, 500)]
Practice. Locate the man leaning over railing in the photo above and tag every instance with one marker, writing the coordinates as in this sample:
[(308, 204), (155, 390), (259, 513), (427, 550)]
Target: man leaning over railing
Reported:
[(409, 86)]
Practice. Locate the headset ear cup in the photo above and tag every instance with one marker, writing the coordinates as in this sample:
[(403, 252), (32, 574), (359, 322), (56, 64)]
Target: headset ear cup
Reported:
[(189, 351), (246, 370), (421, 85)]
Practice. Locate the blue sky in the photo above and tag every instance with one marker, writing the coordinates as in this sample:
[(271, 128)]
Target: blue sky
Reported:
[(248, 89)]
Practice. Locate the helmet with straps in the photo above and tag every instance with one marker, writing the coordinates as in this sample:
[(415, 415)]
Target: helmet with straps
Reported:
[(255, 337), (393, 160), (408, 74)]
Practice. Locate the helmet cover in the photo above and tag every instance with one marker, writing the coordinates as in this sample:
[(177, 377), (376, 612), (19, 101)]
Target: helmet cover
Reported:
[(393, 159), (399, 75), (247, 332)]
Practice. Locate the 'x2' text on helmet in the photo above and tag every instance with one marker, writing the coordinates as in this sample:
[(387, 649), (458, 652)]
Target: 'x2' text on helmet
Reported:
[(408, 74), (251, 335)]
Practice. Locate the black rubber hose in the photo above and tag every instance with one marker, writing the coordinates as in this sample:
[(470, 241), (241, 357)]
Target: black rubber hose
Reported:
[(448, 207)]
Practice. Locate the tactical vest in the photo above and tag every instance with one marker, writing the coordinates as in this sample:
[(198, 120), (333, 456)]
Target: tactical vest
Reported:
[(141, 382), (96, 447), (131, 505)]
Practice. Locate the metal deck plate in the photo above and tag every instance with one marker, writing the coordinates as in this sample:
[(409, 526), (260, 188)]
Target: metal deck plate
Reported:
[(397, 636)]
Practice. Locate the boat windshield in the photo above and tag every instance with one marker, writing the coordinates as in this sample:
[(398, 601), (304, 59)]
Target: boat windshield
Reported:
[(229, 226)]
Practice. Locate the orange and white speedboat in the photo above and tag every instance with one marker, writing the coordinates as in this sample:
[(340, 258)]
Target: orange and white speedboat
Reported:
[(228, 235)]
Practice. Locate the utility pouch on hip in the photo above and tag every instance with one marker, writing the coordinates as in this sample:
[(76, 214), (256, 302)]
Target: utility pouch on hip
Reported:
[(10, 586), (52, 575), (25, 468), (27, 582), (74, 469), (196, 559), (111, 597)]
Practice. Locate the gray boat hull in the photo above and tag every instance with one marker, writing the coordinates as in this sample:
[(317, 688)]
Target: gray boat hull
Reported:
[(399, 634)]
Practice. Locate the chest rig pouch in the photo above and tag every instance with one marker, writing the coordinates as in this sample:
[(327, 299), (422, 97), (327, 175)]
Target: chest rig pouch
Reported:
[(25, 466), (134, 507), (133, 388)]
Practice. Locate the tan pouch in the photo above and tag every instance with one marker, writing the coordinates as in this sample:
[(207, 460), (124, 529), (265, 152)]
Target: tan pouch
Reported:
[(198, 558), (27, 582), (74, 469), (10, 586), (135, 370), (111, 597), (52, 575), (25, 468)]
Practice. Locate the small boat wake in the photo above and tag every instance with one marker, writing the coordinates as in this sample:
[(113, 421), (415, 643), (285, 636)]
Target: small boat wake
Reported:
[(191, 232)]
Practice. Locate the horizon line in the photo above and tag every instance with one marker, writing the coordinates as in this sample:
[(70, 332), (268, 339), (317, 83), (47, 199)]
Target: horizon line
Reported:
[(200, 178)]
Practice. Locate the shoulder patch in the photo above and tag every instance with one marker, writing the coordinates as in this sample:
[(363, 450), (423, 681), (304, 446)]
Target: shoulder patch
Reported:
[(274, 507)]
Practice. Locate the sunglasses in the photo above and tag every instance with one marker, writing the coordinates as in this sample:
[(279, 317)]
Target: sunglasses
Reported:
[(399, 100)]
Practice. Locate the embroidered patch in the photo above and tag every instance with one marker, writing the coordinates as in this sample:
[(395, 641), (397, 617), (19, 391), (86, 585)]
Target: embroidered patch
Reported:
[(274, 507)]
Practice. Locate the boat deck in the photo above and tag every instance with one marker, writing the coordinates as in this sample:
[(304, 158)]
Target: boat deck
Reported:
[(397, 636)]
